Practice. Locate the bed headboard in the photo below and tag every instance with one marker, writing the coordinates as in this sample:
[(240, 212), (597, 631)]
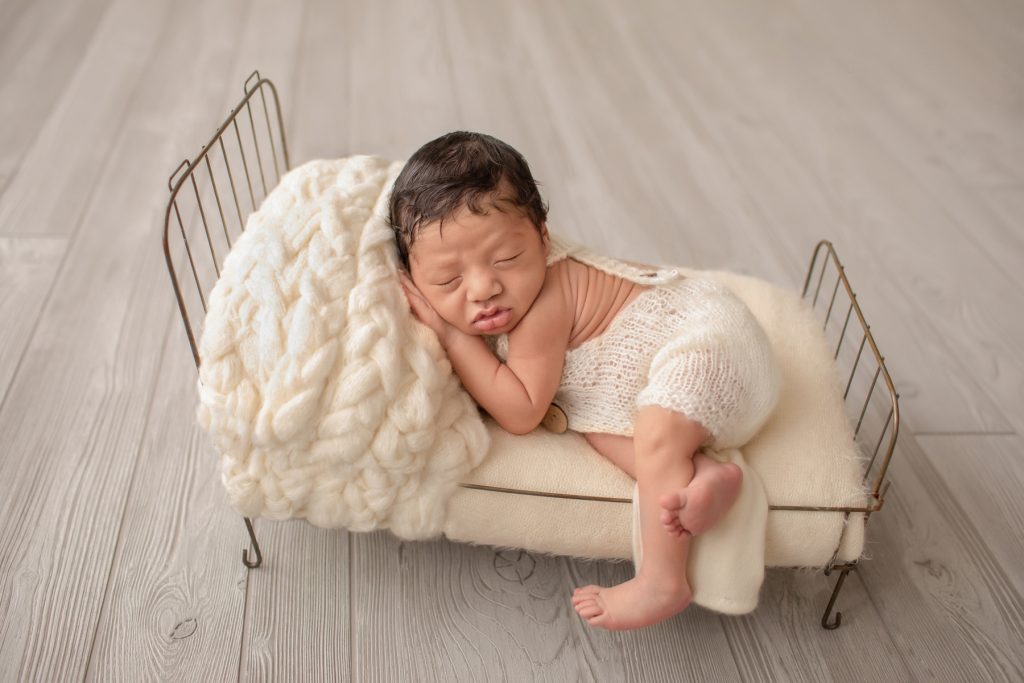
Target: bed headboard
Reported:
[(213, 194)]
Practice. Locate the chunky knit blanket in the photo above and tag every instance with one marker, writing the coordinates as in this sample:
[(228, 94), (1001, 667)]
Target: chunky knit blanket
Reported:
[(325, 397)]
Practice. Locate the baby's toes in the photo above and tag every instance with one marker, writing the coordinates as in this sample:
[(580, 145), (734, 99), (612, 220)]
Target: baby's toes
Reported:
[(579, 598), (672, 501), (682, 532), (588, 608), (674, 527)]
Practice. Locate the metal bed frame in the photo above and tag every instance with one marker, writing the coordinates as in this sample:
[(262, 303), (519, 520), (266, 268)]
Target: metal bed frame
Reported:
[(199, 190)]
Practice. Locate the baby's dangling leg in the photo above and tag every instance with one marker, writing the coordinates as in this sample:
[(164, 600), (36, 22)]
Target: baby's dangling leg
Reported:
[(698, 506), (664, 443)]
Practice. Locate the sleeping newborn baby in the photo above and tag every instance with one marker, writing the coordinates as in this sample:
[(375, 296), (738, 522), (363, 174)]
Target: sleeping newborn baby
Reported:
[(649, 365)]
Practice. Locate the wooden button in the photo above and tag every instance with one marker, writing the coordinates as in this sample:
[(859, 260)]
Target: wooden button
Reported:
[(555, 420)]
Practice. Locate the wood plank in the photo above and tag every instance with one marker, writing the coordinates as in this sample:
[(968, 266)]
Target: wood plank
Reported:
[(994, 225), (975, 327), (945, 174), (28, 267), (10, 16), (985, 475), (455, 607), (221, 613), (39, 53), (948, 72), (783, 639), (174, 600), (73, 148), (196, 541), (77, 412), (948, 603), (71, 427), (400, 96), (1001, 29), (319, 121), (300, 615)]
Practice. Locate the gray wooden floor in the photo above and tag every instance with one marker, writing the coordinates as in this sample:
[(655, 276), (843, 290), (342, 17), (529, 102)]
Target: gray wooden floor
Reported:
[(714, 135)]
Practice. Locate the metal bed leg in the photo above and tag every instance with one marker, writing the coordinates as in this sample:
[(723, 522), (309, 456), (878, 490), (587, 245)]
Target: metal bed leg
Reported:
[(832, 601), (255, 545)]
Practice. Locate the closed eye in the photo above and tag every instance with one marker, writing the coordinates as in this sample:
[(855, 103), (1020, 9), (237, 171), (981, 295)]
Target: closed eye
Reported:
[(445, 284), (511, 258)]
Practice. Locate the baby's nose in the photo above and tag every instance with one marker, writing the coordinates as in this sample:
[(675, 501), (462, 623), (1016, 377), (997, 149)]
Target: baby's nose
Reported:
[(484, 287)]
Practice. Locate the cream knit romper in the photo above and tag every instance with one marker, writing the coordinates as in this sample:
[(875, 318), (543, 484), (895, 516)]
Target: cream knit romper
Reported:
[(687, 344)]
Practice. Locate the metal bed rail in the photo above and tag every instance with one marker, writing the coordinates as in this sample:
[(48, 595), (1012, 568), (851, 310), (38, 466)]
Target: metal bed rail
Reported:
[(874, 408), (242, 157), (213, 194)]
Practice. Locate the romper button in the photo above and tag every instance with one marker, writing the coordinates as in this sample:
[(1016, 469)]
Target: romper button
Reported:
[(555, 420)]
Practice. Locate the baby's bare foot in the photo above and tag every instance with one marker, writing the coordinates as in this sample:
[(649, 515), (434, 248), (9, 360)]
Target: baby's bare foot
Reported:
[(633, 604), (697, 507)]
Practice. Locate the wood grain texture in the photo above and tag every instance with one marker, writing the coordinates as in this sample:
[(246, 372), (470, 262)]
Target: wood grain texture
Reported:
[(73, 149), (480, 613), (300, 615), (949, 605), (28, 267), (799, 146), (11, 12), (783, 639), (50, 37), (985, 475), (175, 594), (948, 271), (77, 412)]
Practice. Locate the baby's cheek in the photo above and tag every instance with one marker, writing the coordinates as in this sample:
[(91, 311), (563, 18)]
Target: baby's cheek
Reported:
[(448, 311)]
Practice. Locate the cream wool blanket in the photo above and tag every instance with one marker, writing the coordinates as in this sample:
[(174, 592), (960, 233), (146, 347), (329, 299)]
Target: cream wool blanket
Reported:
[(326, 399)]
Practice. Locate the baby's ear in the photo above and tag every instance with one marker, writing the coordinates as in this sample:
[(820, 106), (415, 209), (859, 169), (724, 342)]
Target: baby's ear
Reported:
[(544, 238)]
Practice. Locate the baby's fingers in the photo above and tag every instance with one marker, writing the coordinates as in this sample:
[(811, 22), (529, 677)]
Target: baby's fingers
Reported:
[(417, 302), (408, 287)]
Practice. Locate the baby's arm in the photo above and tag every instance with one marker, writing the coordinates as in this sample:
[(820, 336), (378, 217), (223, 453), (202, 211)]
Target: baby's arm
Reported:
[(516, 393)]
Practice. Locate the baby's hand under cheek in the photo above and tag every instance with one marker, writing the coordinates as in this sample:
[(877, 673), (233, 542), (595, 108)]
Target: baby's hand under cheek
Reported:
[(423, 311)]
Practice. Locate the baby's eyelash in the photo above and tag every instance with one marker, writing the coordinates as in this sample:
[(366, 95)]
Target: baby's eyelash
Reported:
[(511, 258), (445, 284)]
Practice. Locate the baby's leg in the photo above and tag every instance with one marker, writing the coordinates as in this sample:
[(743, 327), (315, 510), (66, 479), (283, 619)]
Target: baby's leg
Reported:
[(618, 449), (693, 509), (664, 444)]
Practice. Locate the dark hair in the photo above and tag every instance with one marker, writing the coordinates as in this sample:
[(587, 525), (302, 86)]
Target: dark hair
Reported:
[(457, 169)]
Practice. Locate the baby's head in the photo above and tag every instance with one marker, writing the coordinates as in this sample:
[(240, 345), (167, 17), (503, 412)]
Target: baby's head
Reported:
[(461, 170), (470, 225)]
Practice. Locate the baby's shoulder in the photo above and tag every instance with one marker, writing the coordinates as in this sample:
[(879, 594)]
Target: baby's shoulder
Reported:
[(570, 273)]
